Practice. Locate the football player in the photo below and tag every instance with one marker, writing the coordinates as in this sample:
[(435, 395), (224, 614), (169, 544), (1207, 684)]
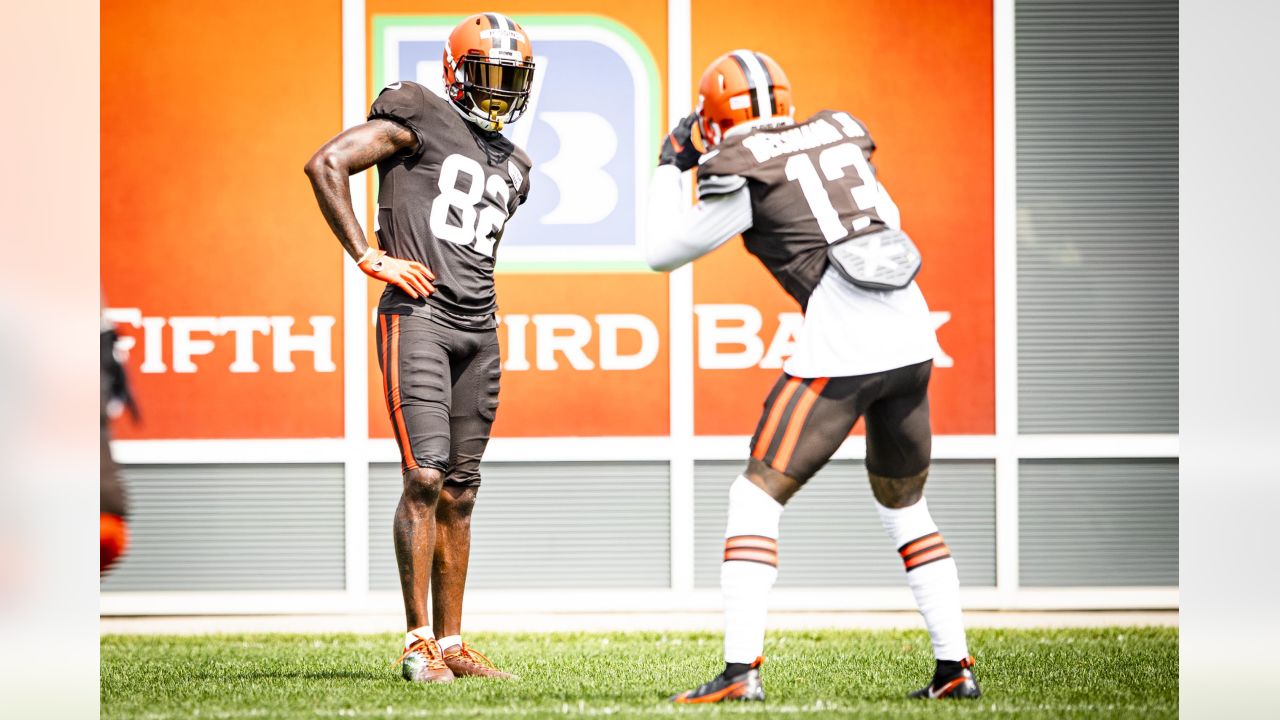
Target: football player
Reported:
[(448, 181), (114, 396), (806, 200)]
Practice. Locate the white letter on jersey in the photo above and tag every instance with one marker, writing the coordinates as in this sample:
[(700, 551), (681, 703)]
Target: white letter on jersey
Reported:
[(284, 343), (548, 342), (610, 325), (711, 335), (587, 192)]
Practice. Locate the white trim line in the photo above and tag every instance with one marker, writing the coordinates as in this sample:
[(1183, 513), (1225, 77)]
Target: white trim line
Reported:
[(682, 445), (659, 448), (572, 449), (1097, 446), (1006, 297), (639, 600), (355, 325), (184, 452)]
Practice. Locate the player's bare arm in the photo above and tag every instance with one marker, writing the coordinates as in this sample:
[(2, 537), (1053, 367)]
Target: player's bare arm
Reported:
[(351, 151)]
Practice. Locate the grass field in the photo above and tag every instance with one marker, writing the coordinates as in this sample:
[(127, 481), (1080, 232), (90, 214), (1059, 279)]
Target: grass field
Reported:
[(1078, 673)]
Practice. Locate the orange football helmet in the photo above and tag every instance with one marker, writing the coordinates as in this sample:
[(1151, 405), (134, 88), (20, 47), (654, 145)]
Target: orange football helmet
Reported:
[(738, 87), (488, 69)]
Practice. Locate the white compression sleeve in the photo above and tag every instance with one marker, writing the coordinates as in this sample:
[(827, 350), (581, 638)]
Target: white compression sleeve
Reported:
[(677, 232)]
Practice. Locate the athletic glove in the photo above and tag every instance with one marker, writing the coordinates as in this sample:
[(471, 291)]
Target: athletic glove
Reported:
[(677, 147), (412, 277)]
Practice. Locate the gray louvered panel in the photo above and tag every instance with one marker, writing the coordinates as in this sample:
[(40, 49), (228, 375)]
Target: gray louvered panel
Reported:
[(831, 533), (233, 527), (1097, 183), (1098, 522), (549, 525)]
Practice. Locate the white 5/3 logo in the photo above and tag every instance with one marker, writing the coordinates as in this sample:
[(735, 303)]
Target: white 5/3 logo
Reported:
[(592, 137), (478, 226)]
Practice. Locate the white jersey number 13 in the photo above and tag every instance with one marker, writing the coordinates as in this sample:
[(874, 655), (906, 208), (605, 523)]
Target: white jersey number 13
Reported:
[(833, 161)]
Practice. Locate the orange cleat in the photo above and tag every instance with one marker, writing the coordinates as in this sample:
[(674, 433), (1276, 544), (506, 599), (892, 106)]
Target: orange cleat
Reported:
[(423, 662), (744, 687), (466, 661)]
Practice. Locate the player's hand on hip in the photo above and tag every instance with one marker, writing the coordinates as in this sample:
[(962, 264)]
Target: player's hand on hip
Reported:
[(677, 146), (412, 277)]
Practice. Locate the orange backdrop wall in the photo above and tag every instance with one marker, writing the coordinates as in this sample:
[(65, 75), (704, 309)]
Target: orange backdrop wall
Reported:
[(211, 238), (919, 74), (209, 110)]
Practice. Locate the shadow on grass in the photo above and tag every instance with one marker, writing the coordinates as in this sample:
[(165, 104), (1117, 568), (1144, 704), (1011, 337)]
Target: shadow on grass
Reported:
[(303, 675)]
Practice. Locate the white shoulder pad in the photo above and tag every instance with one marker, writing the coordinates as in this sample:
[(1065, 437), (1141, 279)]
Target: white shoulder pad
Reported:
[(720, 185)]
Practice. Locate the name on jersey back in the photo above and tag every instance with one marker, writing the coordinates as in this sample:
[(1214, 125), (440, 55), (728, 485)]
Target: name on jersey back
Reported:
[(768, 145)]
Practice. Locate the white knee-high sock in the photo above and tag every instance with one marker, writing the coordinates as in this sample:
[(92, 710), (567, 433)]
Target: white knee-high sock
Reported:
[(931, 573), (749, 570), (413, 636)]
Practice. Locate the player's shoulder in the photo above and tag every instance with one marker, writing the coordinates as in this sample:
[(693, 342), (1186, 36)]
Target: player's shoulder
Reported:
[(723, 169), (726, 158), (406, 100), (519, 156), (847, 122)]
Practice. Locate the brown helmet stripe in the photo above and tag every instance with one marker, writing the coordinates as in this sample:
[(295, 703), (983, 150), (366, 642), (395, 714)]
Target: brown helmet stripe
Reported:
[(773, 100), (499, 22), (751, 84)]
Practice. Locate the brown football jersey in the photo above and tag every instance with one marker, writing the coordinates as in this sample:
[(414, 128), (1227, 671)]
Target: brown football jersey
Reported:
[(811, 184), (446, 203)]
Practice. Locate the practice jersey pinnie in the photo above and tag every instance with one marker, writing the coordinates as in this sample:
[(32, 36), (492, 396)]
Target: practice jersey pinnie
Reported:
[(811, 184), (445, 203)]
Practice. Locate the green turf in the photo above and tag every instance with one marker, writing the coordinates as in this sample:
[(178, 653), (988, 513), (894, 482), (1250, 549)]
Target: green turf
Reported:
[(1087, 673)]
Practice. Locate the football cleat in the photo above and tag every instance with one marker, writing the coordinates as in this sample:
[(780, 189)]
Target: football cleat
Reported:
[(465, 661), (744, 687), (423, 662), (959, 686)]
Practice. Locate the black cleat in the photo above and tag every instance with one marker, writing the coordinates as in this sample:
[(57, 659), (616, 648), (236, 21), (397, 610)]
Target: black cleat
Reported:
[(951, 680), (746, 686)]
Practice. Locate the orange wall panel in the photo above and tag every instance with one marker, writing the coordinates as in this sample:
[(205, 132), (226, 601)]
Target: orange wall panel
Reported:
[(209, 110), (920, 76)]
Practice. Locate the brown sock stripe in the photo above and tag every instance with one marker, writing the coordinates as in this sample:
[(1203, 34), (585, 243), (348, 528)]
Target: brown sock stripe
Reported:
[(924, 557), (758, 556), (920, 543), (752, 548), (924, 550), (752, 541)]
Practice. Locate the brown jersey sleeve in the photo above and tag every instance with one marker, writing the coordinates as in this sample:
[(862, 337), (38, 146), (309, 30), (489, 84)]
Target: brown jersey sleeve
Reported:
[(407, 104), (723, 171), (519, 170)]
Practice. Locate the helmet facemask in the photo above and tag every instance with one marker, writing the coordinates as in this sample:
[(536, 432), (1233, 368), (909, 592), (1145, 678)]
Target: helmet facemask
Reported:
[(490, 92)]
